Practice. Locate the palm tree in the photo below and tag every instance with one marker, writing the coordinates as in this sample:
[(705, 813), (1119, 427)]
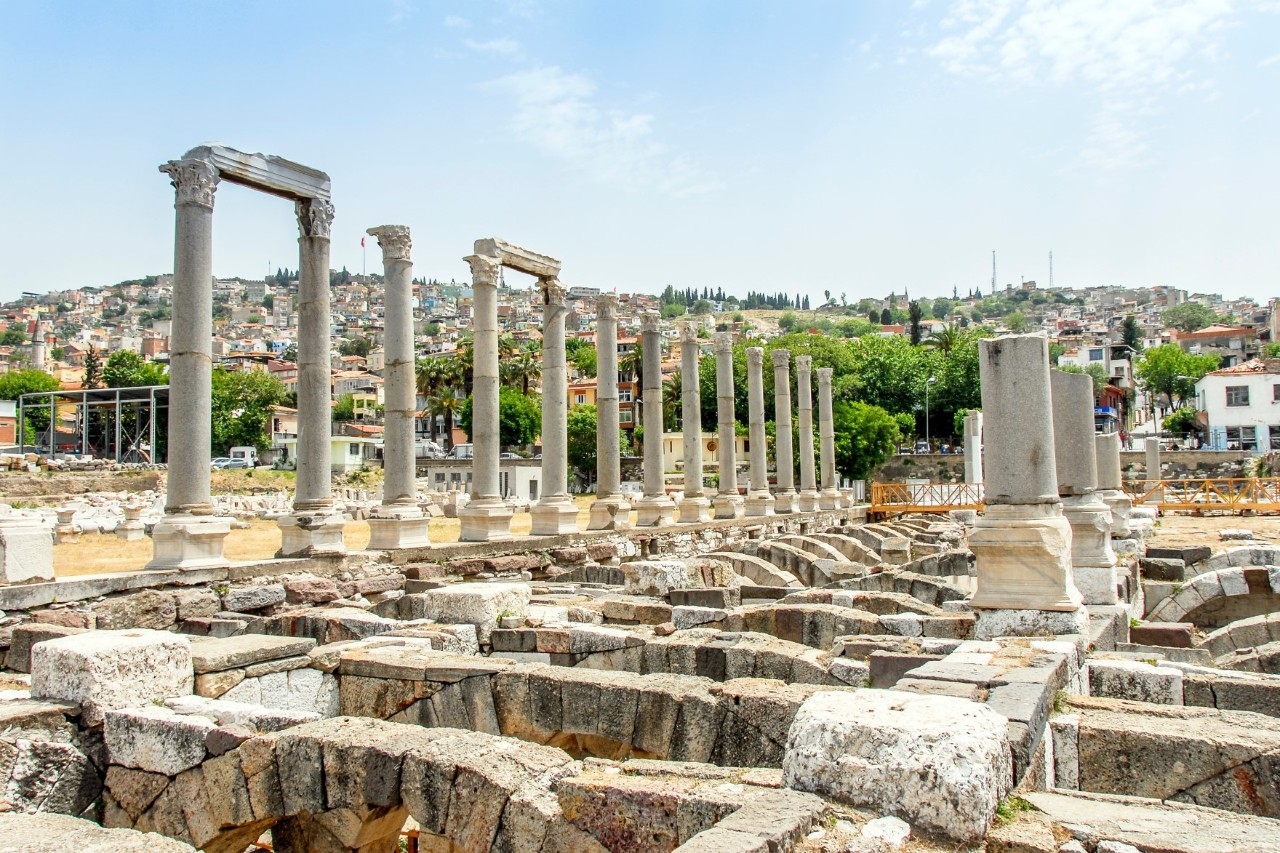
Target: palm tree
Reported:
[(446, 404), (946, 340), (520, 369), (632, 364), (672, 398)]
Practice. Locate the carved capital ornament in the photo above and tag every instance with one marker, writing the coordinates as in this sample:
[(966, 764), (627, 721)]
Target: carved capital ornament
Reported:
[(195, 181), (315, 217), (484, 270), (394, 240)]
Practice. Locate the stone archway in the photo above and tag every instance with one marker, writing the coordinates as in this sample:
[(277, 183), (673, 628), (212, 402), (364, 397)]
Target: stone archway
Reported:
[(1220, 597)]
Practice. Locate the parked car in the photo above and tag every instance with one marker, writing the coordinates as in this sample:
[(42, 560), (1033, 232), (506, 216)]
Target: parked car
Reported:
[(237, 464), (922, 447), (219, 462)]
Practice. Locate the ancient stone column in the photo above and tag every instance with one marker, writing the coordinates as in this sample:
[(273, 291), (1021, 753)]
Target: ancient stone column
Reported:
[(695, 506), (1110, 484), (728, 503), (759, 500), (973, 446), (655, 508), (1093, 563), (486, 516), (784, 456), (1022, 543), (399, 522), (611, 511), (829, 497), (190, 535), (37, 348), (804, 405), (555, 512), (315, 526)]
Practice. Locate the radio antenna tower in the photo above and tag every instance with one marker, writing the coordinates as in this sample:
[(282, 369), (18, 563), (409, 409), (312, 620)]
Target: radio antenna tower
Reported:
[(1051, 269), (993, 272)]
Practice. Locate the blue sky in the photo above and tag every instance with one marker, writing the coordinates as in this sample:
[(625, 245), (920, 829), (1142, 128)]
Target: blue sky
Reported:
[(857, 147)]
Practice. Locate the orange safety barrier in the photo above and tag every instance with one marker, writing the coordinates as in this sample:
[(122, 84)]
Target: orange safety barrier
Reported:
[(901, 498), (1234, 494)]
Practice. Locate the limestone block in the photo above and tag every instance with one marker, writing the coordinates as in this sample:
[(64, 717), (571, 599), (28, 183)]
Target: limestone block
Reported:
[(225, 712), (248, 598), (155, 739), (147, 609), (24, 637), (1135, 680), (655, 577), (53, 833), (105, 670), (197, 603), (309, 589), (26, 551), (690, 617), (479, 604), (40, 775), (939, 762), (218, 654)]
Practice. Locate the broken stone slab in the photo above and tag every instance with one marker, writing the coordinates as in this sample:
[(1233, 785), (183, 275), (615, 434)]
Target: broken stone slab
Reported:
[(155, 739), (309, 589), (248, 598), (43, 775), (56, 833), (941, 763), (216, 655), (1135, 680), (691, 617), (223, 712), (25, 636), (655, 577), (479, 604), (106, 670)]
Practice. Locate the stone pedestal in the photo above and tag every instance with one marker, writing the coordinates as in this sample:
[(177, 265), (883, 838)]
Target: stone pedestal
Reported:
[(1110, 484), (65, 530), (131, 528), (728, 503), (184, 541), (315, 533), (785, 498), (829, 498), (973, 446), (656, 508), (808, 499), (759, 500), (26, 550), (1151, 446), (398, 527), (1022, 543), (1093, 563), (694, 506), (486, 516), (610, 511), (555, 512)]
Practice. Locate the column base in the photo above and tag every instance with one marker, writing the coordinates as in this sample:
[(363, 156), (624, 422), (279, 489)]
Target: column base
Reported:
[(398, 527), (189, 542), (830, 499), (759, 504), (695, 510), (610, 513), (1093, 563), (130, 530), (808, 502), (655, 511), (785, 502), (484, 520), (311, 533), (554, 517), (26, 550), (991, 624), (1023, 558), (1120, 504), (728, 506)]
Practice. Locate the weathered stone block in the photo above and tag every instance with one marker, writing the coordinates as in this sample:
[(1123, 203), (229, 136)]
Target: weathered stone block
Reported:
[(308, 589), (1178, 635), (249, 598), (655, 577), (479, 604), (147, 609), (216, 655), (1135, 680), (25, 636), (104, 670), (155, 739)]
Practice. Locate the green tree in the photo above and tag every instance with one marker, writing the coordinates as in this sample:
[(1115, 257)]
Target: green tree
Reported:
[(865, 436), (942, 308), (345, 408), (241, 402), (431, 329), (92, 368), (19, 382), (1168, 370), (906, 425), (916, 314), (127, 369), (57, 353), (583, 424), (672, 309), (290, 353), (12, 337), (1017, 322), (1271, 350), (1096, 372), (1189, 317), (1181, 422), (519, 417), (583, 356), (1131, 334), (787, 321), (358, 345)]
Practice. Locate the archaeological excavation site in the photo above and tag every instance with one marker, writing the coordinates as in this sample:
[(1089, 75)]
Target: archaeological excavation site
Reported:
[(759, 661)]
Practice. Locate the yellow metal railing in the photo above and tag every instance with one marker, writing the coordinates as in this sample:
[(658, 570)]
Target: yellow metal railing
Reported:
[(894, 498), (1235, 494)]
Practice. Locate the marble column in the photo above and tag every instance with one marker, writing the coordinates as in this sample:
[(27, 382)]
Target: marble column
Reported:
[(695, 506), (804, 406), (314, 527), (829, 497), (1022, 543), (1110, 485), (784, 455), (486, 516), (611, 511), (1093, 563), (655, 508), (759, 500), (555, 512), (728, 503), (189, 535), (973, 446), (399, 522), (1152, 447)]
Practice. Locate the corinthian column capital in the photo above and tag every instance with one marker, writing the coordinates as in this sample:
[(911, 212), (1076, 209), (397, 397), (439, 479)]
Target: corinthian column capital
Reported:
[(649, 321), (315, 217), (553, 293), (688, 331), (394, 241), (195, 181), (607, 306), (781, 358), (484, 269)]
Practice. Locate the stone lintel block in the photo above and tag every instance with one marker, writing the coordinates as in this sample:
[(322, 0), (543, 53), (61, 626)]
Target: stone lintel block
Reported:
[(215, 655), (1179, 635)]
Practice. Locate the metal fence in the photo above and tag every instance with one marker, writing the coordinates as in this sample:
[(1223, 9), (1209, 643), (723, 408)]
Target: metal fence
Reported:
[(1233, 494)]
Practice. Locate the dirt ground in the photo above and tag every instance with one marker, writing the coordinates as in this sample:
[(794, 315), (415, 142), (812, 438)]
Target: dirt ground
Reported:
[(96, 553), (1181, 529)]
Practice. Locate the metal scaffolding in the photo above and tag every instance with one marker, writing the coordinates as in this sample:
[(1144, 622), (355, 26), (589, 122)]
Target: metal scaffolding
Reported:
[(108, 423)]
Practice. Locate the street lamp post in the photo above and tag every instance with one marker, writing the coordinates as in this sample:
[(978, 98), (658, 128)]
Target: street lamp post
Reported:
[(932, 379)]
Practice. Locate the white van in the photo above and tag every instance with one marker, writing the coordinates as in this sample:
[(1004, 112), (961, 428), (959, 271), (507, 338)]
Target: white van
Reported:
[(247, 455)]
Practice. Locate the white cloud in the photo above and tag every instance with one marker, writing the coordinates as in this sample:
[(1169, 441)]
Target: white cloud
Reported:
[(455, 22), (1134, 49), (560, 114), (499, 46)]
